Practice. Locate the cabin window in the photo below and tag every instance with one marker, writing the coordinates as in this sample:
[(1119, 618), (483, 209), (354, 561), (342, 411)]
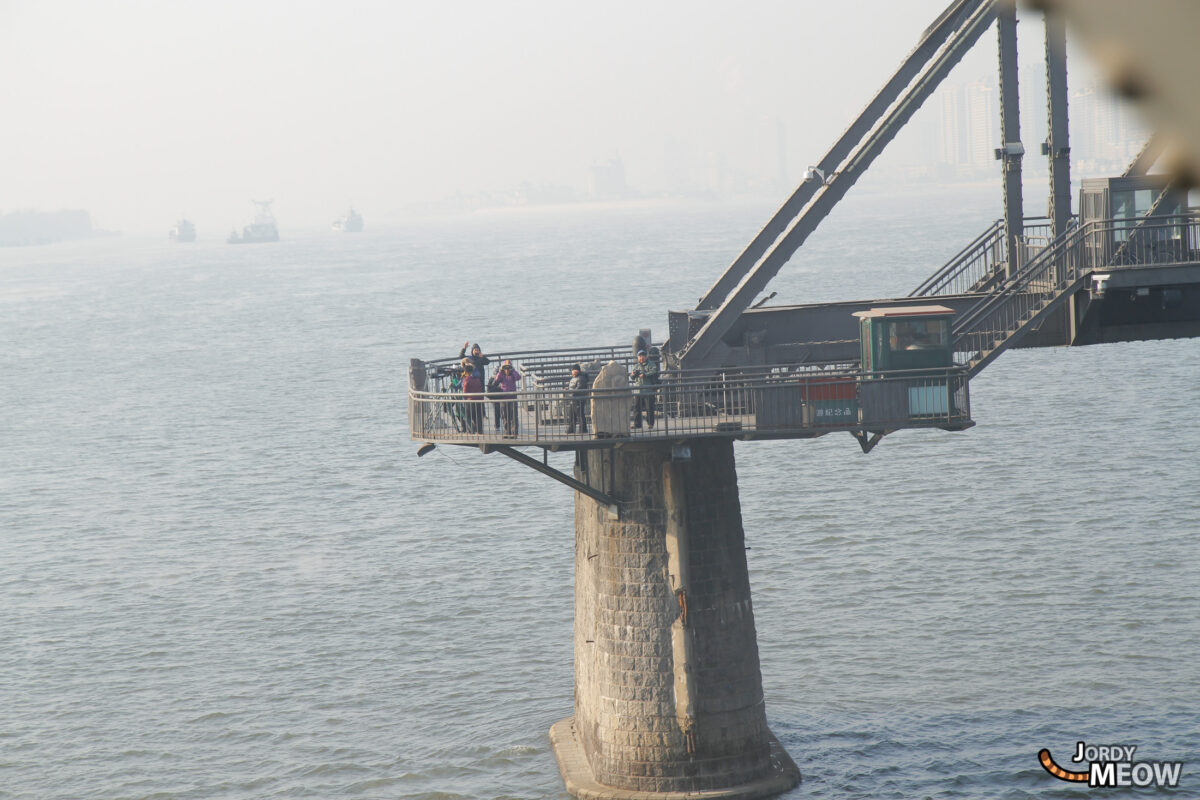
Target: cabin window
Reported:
[(919, 334), (1130, 206)]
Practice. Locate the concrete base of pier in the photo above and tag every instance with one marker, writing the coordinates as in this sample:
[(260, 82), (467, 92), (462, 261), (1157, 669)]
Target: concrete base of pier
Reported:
[(581, 783), (668, 693)]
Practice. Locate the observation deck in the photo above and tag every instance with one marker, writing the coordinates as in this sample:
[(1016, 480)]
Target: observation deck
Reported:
[(780, 401)]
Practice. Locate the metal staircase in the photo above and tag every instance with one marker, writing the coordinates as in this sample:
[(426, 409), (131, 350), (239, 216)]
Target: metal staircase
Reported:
[(1009, 306), (981, 266), (1019, 304), (976, 264)]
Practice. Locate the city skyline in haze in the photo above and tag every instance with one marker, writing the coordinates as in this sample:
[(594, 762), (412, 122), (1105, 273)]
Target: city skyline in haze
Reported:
[(141, 112)]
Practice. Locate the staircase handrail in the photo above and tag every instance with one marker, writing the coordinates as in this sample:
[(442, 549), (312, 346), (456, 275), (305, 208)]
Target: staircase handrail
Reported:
[(953, 268), (1070, 241), (1035, 267), (975, 263)]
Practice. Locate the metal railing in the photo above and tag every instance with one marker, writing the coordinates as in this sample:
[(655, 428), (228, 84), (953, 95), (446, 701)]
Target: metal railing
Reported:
[(777, 402), (971, 264), (997, 320), (978, 265), (988, 327), (1110, 243), (809, 399), (1115, 243), (541, 362)]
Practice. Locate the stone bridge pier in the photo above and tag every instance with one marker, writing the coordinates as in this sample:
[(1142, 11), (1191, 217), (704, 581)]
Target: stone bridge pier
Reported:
[(668, 693)]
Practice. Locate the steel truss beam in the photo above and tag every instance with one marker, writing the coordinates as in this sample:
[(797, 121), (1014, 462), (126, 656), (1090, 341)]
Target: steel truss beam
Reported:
[(1144, 160), (833, 186), (934, 37), (1011, 150), (1058, 141)]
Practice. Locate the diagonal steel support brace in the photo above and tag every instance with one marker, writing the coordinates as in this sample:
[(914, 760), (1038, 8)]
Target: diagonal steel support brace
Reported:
[(867, 443), (1147, 156), (833, 189), (600, 497), (934, 37)]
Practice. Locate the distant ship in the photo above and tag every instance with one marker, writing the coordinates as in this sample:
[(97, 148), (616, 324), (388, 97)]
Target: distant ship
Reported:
[(351, 223), (263, 229), (183, 231)]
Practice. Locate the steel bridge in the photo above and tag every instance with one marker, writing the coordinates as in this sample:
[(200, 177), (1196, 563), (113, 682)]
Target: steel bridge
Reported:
[(668, 697), (806, 388), (1118, 270)]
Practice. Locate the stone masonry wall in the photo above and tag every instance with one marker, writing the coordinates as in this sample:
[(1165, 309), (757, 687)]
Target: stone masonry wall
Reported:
[(626, 669)]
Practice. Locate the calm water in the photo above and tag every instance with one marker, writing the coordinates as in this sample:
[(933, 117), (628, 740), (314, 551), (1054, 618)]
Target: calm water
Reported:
[(225, 574)]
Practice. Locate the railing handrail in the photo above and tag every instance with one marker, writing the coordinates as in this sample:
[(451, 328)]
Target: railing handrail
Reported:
[(567, 354), (559, 361), (1075, 239), (775, 405), (1035, 266), (675, 380), (988, 246), (957, 264)]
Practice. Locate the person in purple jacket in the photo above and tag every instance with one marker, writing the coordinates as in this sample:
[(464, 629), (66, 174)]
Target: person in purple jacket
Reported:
[(506, 381), (472, 384)]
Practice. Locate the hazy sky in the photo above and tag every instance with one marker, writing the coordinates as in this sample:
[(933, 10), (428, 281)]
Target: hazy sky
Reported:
[(143, 111)]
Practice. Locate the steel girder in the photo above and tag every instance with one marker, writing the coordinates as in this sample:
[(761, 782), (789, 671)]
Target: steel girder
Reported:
[(746, 282)]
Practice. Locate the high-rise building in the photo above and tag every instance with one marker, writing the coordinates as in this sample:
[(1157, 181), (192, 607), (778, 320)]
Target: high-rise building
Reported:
[(1105, 131), (606, 179), (968, 127)]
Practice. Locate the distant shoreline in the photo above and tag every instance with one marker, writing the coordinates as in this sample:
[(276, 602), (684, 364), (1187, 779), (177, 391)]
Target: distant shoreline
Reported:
[(28, 228)]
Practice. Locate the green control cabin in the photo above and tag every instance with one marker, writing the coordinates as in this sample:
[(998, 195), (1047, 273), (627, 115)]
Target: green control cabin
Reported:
[(908, 337)]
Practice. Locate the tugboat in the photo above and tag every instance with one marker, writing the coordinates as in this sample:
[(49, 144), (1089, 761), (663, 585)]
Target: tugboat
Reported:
[(351, 223), (263, 229), (183, 231)]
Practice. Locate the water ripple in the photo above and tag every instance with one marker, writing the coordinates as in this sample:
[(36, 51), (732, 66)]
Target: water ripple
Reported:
[(225, 574)]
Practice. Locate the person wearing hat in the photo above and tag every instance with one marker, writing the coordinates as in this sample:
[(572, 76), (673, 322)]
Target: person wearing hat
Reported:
[(645, 381), (480, 362), (506, 385), (477, 358), (578, 392)]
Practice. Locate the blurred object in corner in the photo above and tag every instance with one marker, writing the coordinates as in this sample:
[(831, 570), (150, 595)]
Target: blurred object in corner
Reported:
[(1146, 51)]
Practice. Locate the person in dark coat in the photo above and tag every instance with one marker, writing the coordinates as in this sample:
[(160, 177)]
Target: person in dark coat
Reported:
[(645, 381), (577, 390), (477, 358), (493, 393), (480, 362)]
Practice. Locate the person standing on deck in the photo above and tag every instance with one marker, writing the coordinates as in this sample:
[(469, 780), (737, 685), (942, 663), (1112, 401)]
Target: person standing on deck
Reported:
[(645, 380), (577, 393), (493, 395), (480, 362), (473, 393), (506, 382), (477, 358)]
